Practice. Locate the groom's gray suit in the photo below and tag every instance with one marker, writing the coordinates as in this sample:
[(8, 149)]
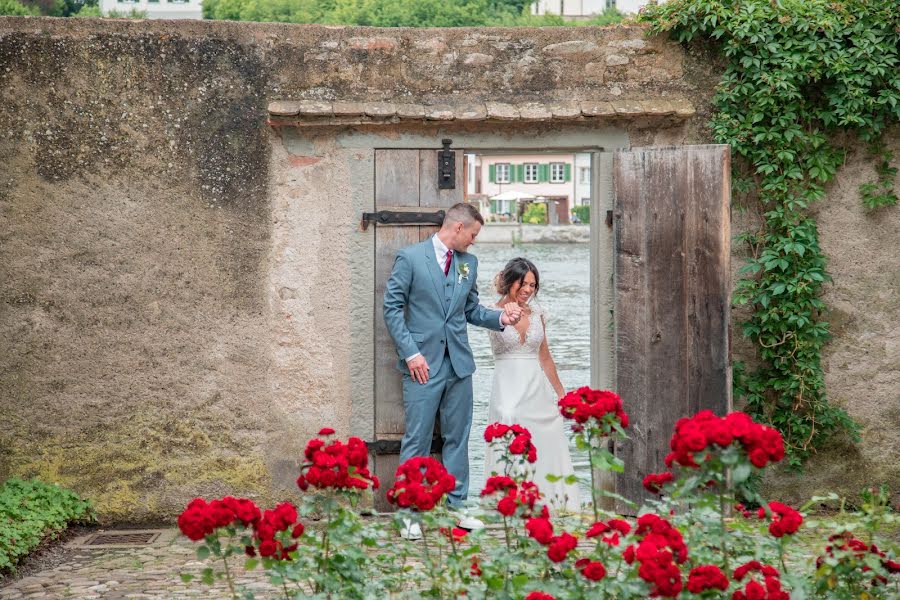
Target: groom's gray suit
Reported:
[(426, 312)]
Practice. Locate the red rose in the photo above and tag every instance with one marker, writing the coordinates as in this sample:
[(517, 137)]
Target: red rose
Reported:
[(758, 457), (268, 548), (494, 431), (540, 529), (507, 506), (596, 529), (706, 577), (621, 526), (539, 596), (592, 569), (654, 481), (560, 546)]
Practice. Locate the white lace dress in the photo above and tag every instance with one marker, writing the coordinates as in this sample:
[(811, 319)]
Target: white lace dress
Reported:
[(521, 393)]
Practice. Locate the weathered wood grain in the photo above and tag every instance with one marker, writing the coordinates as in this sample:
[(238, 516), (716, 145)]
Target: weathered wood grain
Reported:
[(672, 296)]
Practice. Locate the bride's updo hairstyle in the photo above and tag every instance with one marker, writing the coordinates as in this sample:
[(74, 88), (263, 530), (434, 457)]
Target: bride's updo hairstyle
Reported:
[(515, 272)]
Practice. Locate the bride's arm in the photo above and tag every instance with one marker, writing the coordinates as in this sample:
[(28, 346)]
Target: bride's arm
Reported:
[(549, 366)]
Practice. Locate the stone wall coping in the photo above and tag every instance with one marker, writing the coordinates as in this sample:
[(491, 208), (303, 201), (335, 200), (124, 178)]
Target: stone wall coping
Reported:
[(319, 113)]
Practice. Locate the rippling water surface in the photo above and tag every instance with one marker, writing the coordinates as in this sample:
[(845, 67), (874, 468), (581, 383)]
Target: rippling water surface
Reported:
[(565, 293)]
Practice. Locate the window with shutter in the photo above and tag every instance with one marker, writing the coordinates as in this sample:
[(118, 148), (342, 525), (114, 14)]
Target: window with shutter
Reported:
[(558, 172)]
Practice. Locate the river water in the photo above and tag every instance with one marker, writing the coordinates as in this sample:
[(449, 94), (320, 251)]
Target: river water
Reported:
[(565, 293)]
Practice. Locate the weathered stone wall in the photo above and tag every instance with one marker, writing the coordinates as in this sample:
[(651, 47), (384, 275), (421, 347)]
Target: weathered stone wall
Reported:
[(184, 293)]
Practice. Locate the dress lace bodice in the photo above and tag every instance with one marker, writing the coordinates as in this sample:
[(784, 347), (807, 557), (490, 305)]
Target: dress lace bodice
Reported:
[(509, 341)]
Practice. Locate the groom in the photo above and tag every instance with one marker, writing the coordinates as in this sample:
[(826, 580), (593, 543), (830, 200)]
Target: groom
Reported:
[(430, 297)]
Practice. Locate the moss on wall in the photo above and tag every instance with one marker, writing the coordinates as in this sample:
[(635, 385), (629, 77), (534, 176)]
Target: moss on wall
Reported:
[(136, 471)]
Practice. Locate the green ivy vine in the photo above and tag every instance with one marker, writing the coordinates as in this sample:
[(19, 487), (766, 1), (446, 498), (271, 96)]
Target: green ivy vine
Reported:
[(798, 72)]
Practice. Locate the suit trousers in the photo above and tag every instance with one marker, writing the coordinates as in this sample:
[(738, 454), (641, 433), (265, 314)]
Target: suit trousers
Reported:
[(448, 398)]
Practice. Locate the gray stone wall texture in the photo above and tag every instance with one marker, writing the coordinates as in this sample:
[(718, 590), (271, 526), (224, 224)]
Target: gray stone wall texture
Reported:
[(151, 220)]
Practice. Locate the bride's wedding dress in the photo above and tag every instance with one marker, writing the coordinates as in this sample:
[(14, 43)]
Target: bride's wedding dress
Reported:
[(522, 394)]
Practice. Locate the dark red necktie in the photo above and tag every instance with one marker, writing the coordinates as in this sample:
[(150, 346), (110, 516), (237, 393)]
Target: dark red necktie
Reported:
[(447, 262)]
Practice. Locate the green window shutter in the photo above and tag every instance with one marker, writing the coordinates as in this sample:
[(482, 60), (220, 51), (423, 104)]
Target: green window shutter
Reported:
[(492, 173), (543, 173), (520, 172), (494, 205), (567, 172)]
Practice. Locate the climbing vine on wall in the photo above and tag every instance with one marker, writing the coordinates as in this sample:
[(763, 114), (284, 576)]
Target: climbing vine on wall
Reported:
[(798, 73)]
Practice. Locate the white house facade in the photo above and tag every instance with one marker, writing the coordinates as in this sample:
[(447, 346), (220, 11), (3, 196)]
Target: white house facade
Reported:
[(585, 9), (582, 176), (156, 9), (543, 178)]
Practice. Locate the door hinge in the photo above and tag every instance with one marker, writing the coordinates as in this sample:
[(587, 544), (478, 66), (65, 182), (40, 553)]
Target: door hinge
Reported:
[(403, 217), (380, 447)]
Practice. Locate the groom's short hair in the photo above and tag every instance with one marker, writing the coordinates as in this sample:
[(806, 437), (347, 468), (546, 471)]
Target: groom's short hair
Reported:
[(464, 213)]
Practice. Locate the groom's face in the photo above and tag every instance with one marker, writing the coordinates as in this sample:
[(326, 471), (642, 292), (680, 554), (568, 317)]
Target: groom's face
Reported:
[(465, 235)]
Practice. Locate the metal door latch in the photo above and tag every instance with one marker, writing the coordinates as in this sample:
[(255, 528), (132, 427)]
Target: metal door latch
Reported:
[(446, 167)]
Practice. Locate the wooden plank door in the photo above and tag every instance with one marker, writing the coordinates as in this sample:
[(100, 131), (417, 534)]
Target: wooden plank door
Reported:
[(672, 296), (404, 180)]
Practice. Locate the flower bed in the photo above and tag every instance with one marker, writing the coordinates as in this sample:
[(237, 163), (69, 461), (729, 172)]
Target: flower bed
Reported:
[(683, 544), (32, 511)]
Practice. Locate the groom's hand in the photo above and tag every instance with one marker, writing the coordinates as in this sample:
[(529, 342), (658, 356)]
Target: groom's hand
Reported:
[(418, 368), (512, 312)]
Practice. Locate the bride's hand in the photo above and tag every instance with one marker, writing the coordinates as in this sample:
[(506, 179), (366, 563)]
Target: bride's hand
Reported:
[(512, 312)]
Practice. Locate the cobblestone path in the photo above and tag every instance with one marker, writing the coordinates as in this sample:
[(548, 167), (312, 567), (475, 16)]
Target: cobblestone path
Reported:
[(120, 572)]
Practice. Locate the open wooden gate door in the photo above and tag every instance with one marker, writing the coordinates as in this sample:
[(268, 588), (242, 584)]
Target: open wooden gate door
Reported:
[(405, 181), (672, 296)]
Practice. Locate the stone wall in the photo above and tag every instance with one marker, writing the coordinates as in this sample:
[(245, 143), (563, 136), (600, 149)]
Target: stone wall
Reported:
[(181, 302)]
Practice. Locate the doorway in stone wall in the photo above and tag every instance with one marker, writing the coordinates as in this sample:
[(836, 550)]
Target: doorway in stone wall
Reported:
[(651, 273), (537, 206)]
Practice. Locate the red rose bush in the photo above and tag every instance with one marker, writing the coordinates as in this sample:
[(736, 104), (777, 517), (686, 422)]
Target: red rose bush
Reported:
[(336, 465), (683, 543), (420, 484), (596, 415)]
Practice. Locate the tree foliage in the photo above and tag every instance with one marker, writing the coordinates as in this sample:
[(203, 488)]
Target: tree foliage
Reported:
[(14, 8), (392, 13), (797, 73)]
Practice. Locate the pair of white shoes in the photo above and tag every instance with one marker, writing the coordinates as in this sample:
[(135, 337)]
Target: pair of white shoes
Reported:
[(413, 531)]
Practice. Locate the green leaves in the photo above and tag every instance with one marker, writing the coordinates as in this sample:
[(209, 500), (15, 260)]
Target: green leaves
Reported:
[(31, 511), (798, 73)]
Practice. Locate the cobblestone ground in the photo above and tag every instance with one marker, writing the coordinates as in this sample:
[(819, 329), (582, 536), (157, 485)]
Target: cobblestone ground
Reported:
[(117, 573)]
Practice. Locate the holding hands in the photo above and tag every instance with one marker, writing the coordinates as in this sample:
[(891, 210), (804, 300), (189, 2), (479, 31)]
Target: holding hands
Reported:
[(512, 312)]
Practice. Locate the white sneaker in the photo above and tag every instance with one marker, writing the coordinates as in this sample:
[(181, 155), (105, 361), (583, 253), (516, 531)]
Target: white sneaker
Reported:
[(470, 523), (410, 530)]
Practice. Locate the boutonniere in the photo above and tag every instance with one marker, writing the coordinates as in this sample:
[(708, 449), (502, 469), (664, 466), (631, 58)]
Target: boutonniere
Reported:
[(463, 270)]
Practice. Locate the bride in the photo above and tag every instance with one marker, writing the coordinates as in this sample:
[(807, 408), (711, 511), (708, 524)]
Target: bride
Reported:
[(526, 386)]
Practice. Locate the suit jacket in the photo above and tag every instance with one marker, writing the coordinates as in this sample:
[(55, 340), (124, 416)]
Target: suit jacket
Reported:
[(427, 312)]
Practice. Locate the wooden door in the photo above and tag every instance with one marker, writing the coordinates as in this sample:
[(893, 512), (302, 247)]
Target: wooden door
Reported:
[(405, 180), (672, 296)]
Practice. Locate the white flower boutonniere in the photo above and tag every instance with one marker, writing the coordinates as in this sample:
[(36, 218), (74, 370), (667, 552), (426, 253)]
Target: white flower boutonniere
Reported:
[(463, 270)]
